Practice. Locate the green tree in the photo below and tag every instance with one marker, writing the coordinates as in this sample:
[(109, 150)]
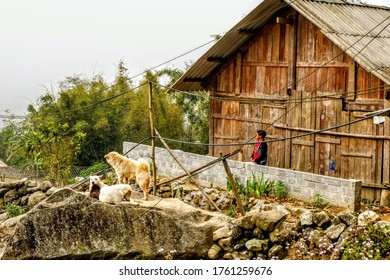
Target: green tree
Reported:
[(44, 148), (87, 118)]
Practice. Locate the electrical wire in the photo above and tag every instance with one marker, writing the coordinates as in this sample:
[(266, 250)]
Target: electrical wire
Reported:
[(280, 139)]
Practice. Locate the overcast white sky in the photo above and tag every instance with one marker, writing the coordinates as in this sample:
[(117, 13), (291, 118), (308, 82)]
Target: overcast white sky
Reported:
[(44, 41)]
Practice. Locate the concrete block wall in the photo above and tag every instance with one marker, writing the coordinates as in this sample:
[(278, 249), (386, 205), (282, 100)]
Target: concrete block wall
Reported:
[(300, 185)]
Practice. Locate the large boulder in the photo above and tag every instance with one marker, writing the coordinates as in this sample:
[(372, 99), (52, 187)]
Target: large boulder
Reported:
[(71, 225)]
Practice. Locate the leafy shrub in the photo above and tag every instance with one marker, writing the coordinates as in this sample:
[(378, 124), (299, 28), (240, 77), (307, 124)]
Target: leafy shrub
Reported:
[(14, 210), (279, 190), (94, 169), (367, 243), (259, 186), (318, 200)]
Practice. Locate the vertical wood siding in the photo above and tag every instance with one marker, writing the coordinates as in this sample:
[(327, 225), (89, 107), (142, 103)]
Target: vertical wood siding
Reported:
[(256, 89)]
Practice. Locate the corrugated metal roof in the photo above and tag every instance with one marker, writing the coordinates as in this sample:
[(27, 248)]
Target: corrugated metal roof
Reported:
[(362, 31)]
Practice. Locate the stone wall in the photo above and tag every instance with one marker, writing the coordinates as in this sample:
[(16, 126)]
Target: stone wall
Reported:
[(300, 185)]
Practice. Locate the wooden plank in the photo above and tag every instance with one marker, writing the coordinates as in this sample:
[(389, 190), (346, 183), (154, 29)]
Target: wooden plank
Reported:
[(328, 140), (237, 74), (226, 137), (386, 153), (351, 91), (303, 143), (360, 155), (234, 187)]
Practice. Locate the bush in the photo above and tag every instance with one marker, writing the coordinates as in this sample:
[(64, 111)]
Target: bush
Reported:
[(14, 210), (93, 170), (279, 190)]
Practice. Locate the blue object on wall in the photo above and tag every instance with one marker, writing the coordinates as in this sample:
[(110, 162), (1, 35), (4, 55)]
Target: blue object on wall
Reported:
[(332, 165)]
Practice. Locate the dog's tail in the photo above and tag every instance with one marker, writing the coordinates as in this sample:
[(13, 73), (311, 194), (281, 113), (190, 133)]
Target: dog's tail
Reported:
[(143, 165)]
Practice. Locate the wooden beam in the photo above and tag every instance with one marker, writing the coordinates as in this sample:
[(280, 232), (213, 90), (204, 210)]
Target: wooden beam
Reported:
[(238, 72), (193, 80), (249, 32), (386, 100), (186, 171), (292, 54), (282, 20), (153, 140), (234, 187), (216, 59)]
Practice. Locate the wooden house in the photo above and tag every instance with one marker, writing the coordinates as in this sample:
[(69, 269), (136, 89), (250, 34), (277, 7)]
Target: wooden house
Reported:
[(314, 74)]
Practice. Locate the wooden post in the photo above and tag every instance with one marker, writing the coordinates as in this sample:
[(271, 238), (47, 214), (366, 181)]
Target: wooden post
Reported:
[(231, 179), (186, 170), (153, 139)]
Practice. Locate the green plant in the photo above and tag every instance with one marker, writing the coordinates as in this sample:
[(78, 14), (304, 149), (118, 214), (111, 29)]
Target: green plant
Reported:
[(318, 200), (371, 242), (232, 212), (263, 186), (245, 192), (14, 210), (229, 186), (92, 170), (109, 178), (279, 190)]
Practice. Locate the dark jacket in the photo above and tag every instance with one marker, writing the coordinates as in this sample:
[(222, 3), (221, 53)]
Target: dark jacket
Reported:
[(262, 152)]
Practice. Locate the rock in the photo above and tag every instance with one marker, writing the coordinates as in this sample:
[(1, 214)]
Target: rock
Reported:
[(246, 222), (255, 244), (347, 217), (321, 219), (277, 252), (3, 216), (10, 196), (235, 232), (262, 205), (319, 238), (52, 190), (282, 232), (215, 252), (367, 217), (306, 218), (4, 190), (240, 244), (226, 244), (296, 211), (45, 186), (259, 233), (242, 255), (15, 184), (334, 231), (221, 233), (35, 198), (71, 225), (268, 220), (31, 184)]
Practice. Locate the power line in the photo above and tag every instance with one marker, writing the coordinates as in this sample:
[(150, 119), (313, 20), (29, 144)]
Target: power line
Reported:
[(282, 139), (323, 65)]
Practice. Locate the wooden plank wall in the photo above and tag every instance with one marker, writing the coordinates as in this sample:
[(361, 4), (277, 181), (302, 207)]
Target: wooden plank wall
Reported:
[(258, 89)]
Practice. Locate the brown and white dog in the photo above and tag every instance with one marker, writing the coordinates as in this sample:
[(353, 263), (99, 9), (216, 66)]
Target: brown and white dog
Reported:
[(127, 169)]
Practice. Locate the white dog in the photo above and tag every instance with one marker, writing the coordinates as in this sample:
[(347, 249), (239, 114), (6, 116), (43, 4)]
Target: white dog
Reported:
[(111, 194), (128, 169)]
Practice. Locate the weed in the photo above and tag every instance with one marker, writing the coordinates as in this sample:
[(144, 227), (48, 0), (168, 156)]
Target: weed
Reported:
[(94, 169), (318, 200), (279, 190), (14, 210), (367, 243)]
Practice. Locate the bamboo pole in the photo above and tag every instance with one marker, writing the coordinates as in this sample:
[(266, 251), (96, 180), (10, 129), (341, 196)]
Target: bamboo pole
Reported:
[(186, 170), (153, 139), (234, 187)]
